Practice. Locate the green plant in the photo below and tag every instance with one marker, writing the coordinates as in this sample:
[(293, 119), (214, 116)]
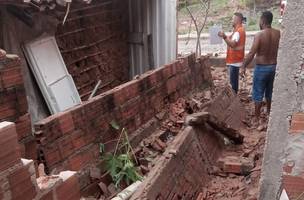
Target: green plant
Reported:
[(120, 164), (121, 168)]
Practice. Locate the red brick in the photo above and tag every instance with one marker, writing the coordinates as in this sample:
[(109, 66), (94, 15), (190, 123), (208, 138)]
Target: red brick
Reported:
[(9, 154), (30, 149), (126, 92), (80, 159), (11, 77), (78, 139), (171, 85), (7, 111), (66, 146), (48, 196), (69, 189), (293, 185), (156, 77), (296, 127), (23, 126), (130, 109), (66, 122), (168, 71), (298, 117), (231, 164), (297, 123), (52, 154), (21, 184)]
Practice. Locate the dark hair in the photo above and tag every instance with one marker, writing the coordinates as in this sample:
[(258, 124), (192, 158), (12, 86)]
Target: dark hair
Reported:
[(267, 16), (240, 15)]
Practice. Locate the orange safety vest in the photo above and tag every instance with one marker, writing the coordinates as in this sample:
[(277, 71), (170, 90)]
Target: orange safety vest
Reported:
[(237, 54)]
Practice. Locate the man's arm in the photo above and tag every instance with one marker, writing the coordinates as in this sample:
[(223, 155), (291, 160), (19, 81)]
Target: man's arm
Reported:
[(254, 48), (231, 43), (2, 54)]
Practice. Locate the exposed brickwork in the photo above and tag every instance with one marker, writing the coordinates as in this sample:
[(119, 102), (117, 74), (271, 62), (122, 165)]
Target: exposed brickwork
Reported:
[(297, 123), (70, 140), (227, 108), (69, 190), (18, 177), (181, 175), (236, 165), (13, 103), (8, 145), (294, 186), (93, 43), (21, 185)]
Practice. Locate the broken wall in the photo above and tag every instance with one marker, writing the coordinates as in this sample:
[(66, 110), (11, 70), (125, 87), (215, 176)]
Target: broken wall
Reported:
[(183, 170), (18, 179), (283, 157), (70, 140), (13, 104), (94, 45)]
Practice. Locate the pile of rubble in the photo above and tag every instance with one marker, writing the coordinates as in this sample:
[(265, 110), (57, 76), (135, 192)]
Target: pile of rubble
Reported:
[(237, 173)]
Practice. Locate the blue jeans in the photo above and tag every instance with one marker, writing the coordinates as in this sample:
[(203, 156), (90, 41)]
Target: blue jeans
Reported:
[(263, 79), (234, 77)]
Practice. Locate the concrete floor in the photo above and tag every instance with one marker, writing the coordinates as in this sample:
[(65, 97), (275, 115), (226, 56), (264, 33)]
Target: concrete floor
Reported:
[(185, 47)]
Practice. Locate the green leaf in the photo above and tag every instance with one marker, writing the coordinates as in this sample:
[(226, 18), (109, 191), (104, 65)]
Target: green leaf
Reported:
[(115, 125)]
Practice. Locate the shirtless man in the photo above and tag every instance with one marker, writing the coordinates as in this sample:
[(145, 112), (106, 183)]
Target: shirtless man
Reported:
[(265, 47)]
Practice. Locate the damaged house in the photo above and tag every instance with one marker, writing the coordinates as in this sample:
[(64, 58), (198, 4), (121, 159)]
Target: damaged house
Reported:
[(85, 78), (77, 66)]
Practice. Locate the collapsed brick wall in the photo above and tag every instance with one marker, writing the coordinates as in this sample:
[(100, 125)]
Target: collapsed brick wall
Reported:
[(18, 176), (70, 140), (13, 104), (227, 108), (182, 174), (93, 43)]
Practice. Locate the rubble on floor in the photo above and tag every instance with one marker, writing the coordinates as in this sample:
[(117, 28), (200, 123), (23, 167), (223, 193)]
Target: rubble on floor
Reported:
[(236, 177), (236, 174)]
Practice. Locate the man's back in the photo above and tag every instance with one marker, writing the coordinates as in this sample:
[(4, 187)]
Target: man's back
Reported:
[(267, 52)]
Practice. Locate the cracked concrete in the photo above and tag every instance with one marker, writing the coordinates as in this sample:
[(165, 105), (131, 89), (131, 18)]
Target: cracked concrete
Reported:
[(288, 98)]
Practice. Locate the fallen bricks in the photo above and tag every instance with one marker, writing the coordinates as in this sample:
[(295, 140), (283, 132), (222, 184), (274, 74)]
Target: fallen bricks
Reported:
[(227, 107), (236, 165), (200, 119)]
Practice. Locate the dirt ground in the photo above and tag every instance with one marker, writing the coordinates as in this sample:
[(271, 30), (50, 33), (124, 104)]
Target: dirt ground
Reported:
[(230, 186)]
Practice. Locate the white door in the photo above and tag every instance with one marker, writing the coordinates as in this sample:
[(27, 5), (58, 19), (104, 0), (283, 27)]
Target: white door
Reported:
[(55, 82)]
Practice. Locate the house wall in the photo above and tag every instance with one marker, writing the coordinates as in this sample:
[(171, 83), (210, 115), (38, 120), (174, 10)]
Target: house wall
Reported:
[(13, 104), (94, 45), (70, 140)]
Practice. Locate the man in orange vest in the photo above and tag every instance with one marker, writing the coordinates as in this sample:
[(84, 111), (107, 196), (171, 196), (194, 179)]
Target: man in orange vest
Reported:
[(235, 49)]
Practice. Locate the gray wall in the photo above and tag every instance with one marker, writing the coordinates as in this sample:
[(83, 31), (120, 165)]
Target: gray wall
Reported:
[(288, 98)]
